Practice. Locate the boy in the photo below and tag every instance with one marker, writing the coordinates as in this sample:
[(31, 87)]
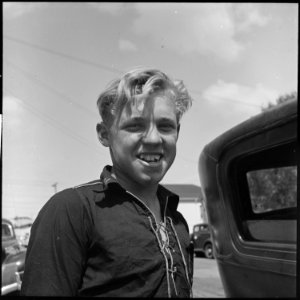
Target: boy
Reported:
[(120, 235)]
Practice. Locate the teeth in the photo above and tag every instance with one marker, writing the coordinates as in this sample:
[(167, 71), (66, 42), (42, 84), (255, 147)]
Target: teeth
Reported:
[(150, 157)]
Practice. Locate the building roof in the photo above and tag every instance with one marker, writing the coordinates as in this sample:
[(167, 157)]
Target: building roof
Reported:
[(20, 222), (185, 191)]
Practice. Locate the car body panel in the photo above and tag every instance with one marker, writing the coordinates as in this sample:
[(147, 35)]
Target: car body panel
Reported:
[(13, 260), (255, 248)]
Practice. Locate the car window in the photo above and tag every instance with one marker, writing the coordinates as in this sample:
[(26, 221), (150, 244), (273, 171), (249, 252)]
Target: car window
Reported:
[(268, 185), (272, 189), (203, 227)]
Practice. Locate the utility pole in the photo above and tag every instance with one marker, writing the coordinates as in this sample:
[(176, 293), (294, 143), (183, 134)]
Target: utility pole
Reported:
[(54, 185)]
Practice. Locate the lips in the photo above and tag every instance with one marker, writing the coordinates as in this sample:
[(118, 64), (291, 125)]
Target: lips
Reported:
[(150, 157)]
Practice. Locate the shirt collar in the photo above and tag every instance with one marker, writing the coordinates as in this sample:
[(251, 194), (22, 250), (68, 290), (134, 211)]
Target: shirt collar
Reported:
[(165, 196), (109, 182), (106, 176)]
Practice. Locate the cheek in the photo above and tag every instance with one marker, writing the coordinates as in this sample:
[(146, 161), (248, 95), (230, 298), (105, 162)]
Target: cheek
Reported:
[(170, 145), (171, 140), (124, 143)]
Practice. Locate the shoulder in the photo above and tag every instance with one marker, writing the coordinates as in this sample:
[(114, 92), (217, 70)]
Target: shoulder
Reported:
[(94, 185), (91, 191), (75, 198), (64, 201), (73, 205)]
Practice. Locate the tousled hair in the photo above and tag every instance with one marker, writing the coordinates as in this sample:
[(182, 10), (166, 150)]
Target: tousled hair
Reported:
[(141, 82)]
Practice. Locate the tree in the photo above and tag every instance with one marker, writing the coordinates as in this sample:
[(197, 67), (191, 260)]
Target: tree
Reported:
[(281, 99), (274, 188)]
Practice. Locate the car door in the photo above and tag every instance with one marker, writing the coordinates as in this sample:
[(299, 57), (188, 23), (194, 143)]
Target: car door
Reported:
[(249, 178)]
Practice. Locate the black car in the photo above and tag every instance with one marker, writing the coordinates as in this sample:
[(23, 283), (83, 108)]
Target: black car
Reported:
[(12, 260), (249, 179), (201, 240)]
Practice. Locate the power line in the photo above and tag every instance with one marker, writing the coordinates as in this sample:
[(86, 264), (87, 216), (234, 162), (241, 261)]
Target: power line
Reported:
[(48, 87), (64, 55), (54, 123), (101, 66), (36, 184), (228, 100), (25, 182), (81, 140)]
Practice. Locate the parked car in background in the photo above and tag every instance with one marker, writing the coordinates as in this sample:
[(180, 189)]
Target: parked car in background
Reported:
[(12, 260), (201, 240), (22, 226), (249, 179)]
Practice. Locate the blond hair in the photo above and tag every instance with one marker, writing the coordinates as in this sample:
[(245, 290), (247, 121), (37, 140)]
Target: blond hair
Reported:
[(141, 82)]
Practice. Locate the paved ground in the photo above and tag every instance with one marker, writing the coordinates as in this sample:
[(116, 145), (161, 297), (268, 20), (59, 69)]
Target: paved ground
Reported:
[(207, 282)]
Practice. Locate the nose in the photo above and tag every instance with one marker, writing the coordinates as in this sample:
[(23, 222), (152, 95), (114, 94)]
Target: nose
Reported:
[(152, 136)]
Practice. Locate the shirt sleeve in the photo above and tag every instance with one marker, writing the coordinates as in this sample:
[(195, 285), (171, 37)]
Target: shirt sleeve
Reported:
[(56, 254)]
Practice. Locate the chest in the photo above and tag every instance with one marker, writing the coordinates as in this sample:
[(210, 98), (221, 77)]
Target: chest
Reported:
[(126, 234), (127, 248)]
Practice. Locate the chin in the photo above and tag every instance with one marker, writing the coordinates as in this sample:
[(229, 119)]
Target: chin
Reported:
[(151, 179)]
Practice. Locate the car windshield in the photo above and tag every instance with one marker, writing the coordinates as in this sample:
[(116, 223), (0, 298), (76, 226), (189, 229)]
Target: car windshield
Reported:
[(6, 231)]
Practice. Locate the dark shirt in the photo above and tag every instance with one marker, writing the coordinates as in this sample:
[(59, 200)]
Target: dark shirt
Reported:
[(99, 240)]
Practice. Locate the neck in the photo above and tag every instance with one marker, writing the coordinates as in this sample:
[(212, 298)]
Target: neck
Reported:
[(146, 193)]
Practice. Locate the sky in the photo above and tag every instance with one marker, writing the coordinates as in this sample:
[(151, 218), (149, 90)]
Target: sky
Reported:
[(234, 59)]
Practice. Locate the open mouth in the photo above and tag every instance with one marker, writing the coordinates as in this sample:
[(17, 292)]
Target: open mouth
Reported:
[(150, 157)]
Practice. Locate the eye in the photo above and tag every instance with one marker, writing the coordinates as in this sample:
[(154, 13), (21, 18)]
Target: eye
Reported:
[(134, 127), (167, 127)]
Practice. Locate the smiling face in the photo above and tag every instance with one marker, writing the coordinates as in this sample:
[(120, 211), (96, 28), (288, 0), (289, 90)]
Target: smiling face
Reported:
[(142, 140)]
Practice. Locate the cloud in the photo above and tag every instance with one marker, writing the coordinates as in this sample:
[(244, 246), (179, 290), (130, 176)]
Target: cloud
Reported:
[(203, 28), (247, 15), (125, 45), (12, 10), (115, 9), (240, 97)]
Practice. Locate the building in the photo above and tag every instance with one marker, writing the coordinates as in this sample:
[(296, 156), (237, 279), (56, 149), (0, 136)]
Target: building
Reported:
[(190, 204)]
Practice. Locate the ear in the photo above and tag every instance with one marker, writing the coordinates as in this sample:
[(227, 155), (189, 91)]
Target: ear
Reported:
[(178, 129), (103, 134)]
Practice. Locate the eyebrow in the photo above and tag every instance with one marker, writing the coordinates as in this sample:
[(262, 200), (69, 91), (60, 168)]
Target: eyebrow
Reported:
[(141, 119), (136, 119), (165, 119)]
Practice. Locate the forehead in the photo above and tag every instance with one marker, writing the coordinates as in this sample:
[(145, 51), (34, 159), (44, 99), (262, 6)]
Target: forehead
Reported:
[(153, 106)]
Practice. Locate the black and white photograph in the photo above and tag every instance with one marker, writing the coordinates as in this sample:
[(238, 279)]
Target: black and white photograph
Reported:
[(149, 149)]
